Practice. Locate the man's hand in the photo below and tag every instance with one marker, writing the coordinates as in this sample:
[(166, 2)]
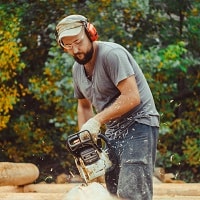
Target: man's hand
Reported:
[(93, 126)]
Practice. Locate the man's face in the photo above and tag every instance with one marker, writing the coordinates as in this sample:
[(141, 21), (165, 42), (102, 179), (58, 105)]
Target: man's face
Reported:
[(79, 46)]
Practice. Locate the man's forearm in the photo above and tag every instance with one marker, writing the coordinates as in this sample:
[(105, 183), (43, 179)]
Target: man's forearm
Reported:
[(127, 100), (122, 105), (83, 116)]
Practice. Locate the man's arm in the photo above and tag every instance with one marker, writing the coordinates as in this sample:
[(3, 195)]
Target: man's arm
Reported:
[(128, 99), (85, 111)]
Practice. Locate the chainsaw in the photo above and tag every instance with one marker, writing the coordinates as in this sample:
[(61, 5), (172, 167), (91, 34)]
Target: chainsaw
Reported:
[(91, 159)]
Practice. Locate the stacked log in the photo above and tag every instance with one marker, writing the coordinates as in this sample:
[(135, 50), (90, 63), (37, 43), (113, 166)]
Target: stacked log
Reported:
[(17, 173), (17, 183)]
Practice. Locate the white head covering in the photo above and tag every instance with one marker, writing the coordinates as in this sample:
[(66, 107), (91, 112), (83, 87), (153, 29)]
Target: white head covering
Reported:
[(70, 26)]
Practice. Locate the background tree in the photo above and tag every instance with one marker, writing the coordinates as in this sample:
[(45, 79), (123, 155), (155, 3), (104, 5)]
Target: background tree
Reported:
[(162, 36), (10, 66)]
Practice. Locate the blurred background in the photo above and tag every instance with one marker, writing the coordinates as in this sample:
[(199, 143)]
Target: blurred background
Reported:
[(37, 108)]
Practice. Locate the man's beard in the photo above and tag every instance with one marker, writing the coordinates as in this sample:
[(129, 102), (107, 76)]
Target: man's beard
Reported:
[(87, 57)]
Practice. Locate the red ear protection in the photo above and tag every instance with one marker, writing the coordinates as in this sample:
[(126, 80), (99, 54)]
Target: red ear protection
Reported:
[(91, 31)]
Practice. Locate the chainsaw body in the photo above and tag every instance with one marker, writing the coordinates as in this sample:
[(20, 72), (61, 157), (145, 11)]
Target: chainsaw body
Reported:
[(91, 160)]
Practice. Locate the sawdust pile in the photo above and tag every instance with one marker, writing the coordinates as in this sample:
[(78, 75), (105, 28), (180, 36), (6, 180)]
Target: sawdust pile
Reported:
[(92, 191)]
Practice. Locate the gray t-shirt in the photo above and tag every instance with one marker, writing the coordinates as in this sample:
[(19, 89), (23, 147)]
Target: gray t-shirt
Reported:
[(114, 64)]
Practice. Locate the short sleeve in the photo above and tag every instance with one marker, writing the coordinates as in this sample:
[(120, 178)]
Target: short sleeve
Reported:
[(118, 65)]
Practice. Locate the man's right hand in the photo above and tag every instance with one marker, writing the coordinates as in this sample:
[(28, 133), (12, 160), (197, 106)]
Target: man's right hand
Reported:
[(93, 126)]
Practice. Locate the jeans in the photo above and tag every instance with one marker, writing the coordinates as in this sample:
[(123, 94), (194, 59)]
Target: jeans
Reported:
[(132, 176)]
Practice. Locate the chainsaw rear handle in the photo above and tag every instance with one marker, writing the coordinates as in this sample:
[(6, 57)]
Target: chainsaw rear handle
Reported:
[(105, 139)]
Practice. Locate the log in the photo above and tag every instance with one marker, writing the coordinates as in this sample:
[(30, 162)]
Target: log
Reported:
[(176, 198), (38, 188), (31, 196), (190, 189), (175, 189), (56, 196), (11, 189), (160, 174), (163, 189), (17, 173), (49, 188)]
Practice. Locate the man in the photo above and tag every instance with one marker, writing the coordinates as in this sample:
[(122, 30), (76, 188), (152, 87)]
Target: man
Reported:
[(108, 79)]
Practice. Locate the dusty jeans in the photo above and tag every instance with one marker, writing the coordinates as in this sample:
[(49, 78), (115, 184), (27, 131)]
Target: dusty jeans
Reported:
[(131, 178)]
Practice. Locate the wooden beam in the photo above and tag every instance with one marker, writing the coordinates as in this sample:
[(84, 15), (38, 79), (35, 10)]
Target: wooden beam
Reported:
[(60, 196), (31, 196), (49, 188), (186, 189), (176, 198), (11, 189), (163, 189)]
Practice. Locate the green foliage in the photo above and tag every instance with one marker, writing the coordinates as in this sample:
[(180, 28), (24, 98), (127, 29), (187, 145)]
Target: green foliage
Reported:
[(121, 21), (168, 72), (10, 65), (193, 26), (37, 101), (55, 89), (28, 137)]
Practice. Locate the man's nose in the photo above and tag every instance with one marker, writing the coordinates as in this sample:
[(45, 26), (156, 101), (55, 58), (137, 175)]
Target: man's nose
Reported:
[(75, 49)]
